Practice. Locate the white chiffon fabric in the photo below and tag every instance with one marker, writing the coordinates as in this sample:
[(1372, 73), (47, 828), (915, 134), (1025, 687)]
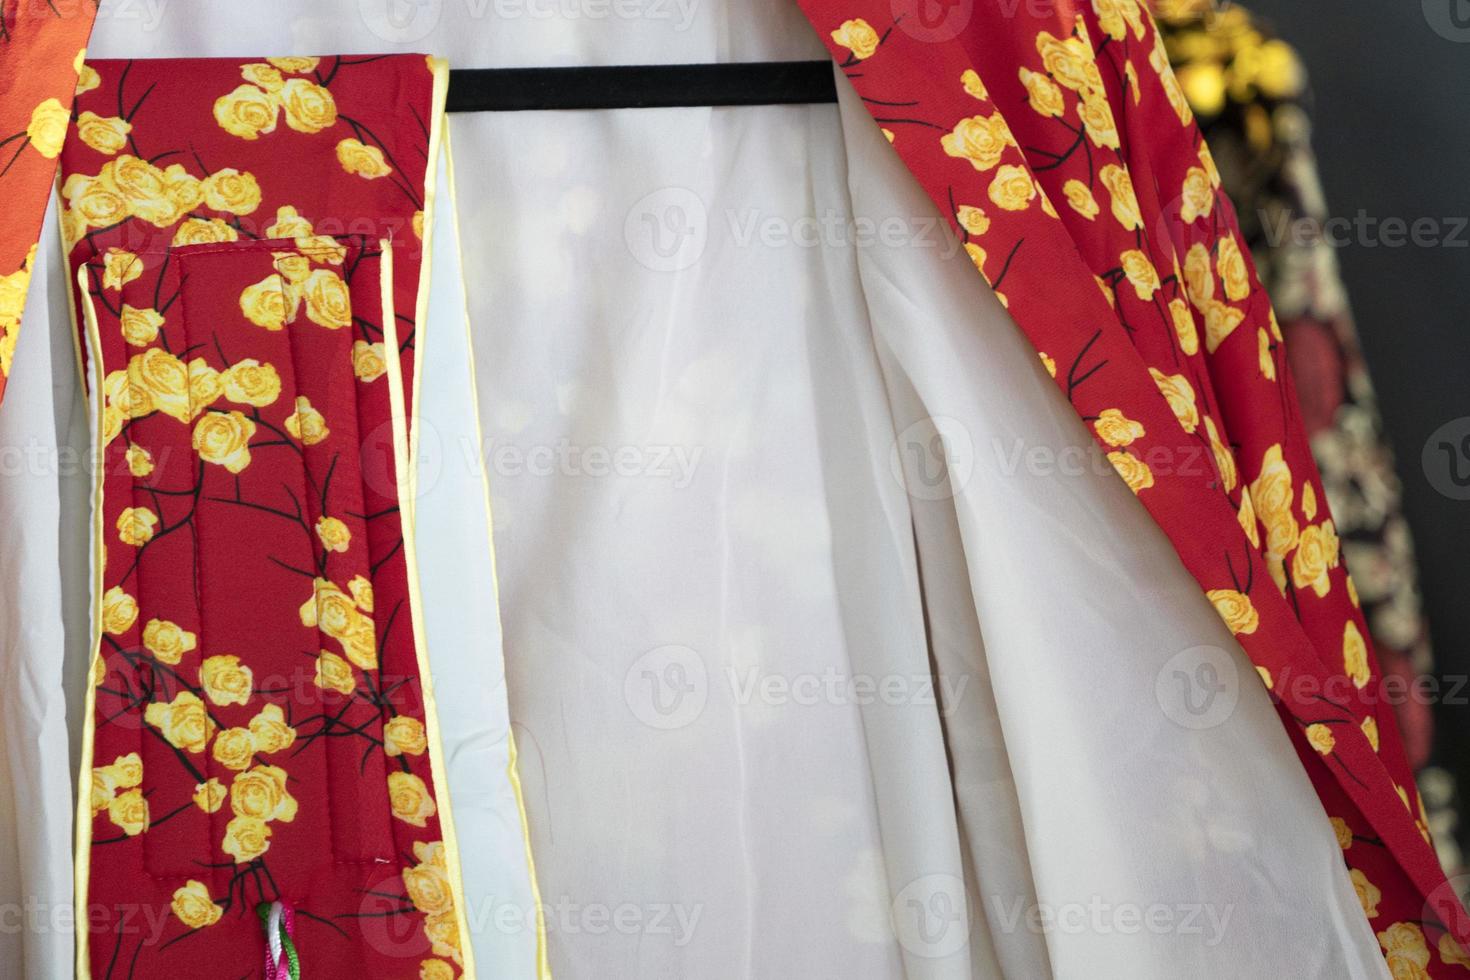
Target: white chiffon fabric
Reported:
[(36, 922), (830, 647)]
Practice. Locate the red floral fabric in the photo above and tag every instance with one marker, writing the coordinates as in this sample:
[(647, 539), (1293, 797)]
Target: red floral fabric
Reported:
[(41, 48), (247, 241), (1060, 145)]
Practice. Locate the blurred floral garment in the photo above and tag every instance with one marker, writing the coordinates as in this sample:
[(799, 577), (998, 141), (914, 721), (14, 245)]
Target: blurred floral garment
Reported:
[(41, 49), (1249, 92), (1065, 152)]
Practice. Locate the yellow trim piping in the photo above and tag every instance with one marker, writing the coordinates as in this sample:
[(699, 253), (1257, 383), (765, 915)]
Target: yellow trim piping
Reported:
[(440, 69), (71, 290), (82, 860)]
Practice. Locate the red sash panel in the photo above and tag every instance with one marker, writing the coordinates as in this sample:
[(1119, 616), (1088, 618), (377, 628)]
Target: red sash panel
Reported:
[(249, 268)]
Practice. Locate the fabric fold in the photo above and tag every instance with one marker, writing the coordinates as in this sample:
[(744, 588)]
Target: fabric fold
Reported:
[(1062, 150)]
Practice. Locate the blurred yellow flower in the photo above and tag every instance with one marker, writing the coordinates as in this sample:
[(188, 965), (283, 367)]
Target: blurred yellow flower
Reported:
[(295, 65), (327, 301), (334, 674), (1368, 893), (246, 838), (140, 326), (210, 795), (410, 799), (369, 361), (233, 191), (129, 812), (427, 883), (1235, 609), (1140, 272), (119, 611), (225, 680), (1184, 327), (234, 748), (223, 438), (1134, 471), (105, 134), (1117, 429), (1043, 93), (362, 160), (1230, 265), (1272, 493), (1179, 393), (1197, 195), (247, 112), (982, 140), (269, 731), (184, 722), (47, 128), (1316, 553), (136, 525), (204, 387), (857, 36), (404, 736), (1355, 655), (269, 303), (362, 592), (120, 268), (193, 907), (167, 640), (306, 423), (261, 794), (1124, 201), (1079, 196), (288, 224), (972, 219), (204, 231), (267, 77), (1012, 189), (309, 107), (1320, 738), (334, 534), (248, 382)]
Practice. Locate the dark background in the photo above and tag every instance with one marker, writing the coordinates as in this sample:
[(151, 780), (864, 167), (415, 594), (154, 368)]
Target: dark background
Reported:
[(1392, 136)]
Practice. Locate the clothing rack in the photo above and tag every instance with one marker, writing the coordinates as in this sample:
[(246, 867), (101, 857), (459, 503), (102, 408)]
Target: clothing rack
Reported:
[(641, 86)]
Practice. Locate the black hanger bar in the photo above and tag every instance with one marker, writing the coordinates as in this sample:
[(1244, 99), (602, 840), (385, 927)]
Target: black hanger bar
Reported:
[(641, 86)]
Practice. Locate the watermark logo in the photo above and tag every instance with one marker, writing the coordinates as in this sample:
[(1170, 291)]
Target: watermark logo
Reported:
[(390, 927), (1450, 19), (148, 14), (932, 21), (667, 687), (401, 21), (1446, 459), (1198, 688), (934, 458), (378, 458), (1446, 904), (667, 230), (1364, 230), (931, 916), (1205, 922), (831, 686)]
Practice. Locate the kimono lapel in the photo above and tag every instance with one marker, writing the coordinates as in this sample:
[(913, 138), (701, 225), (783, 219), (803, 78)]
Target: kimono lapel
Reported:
[(1065, 155)]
